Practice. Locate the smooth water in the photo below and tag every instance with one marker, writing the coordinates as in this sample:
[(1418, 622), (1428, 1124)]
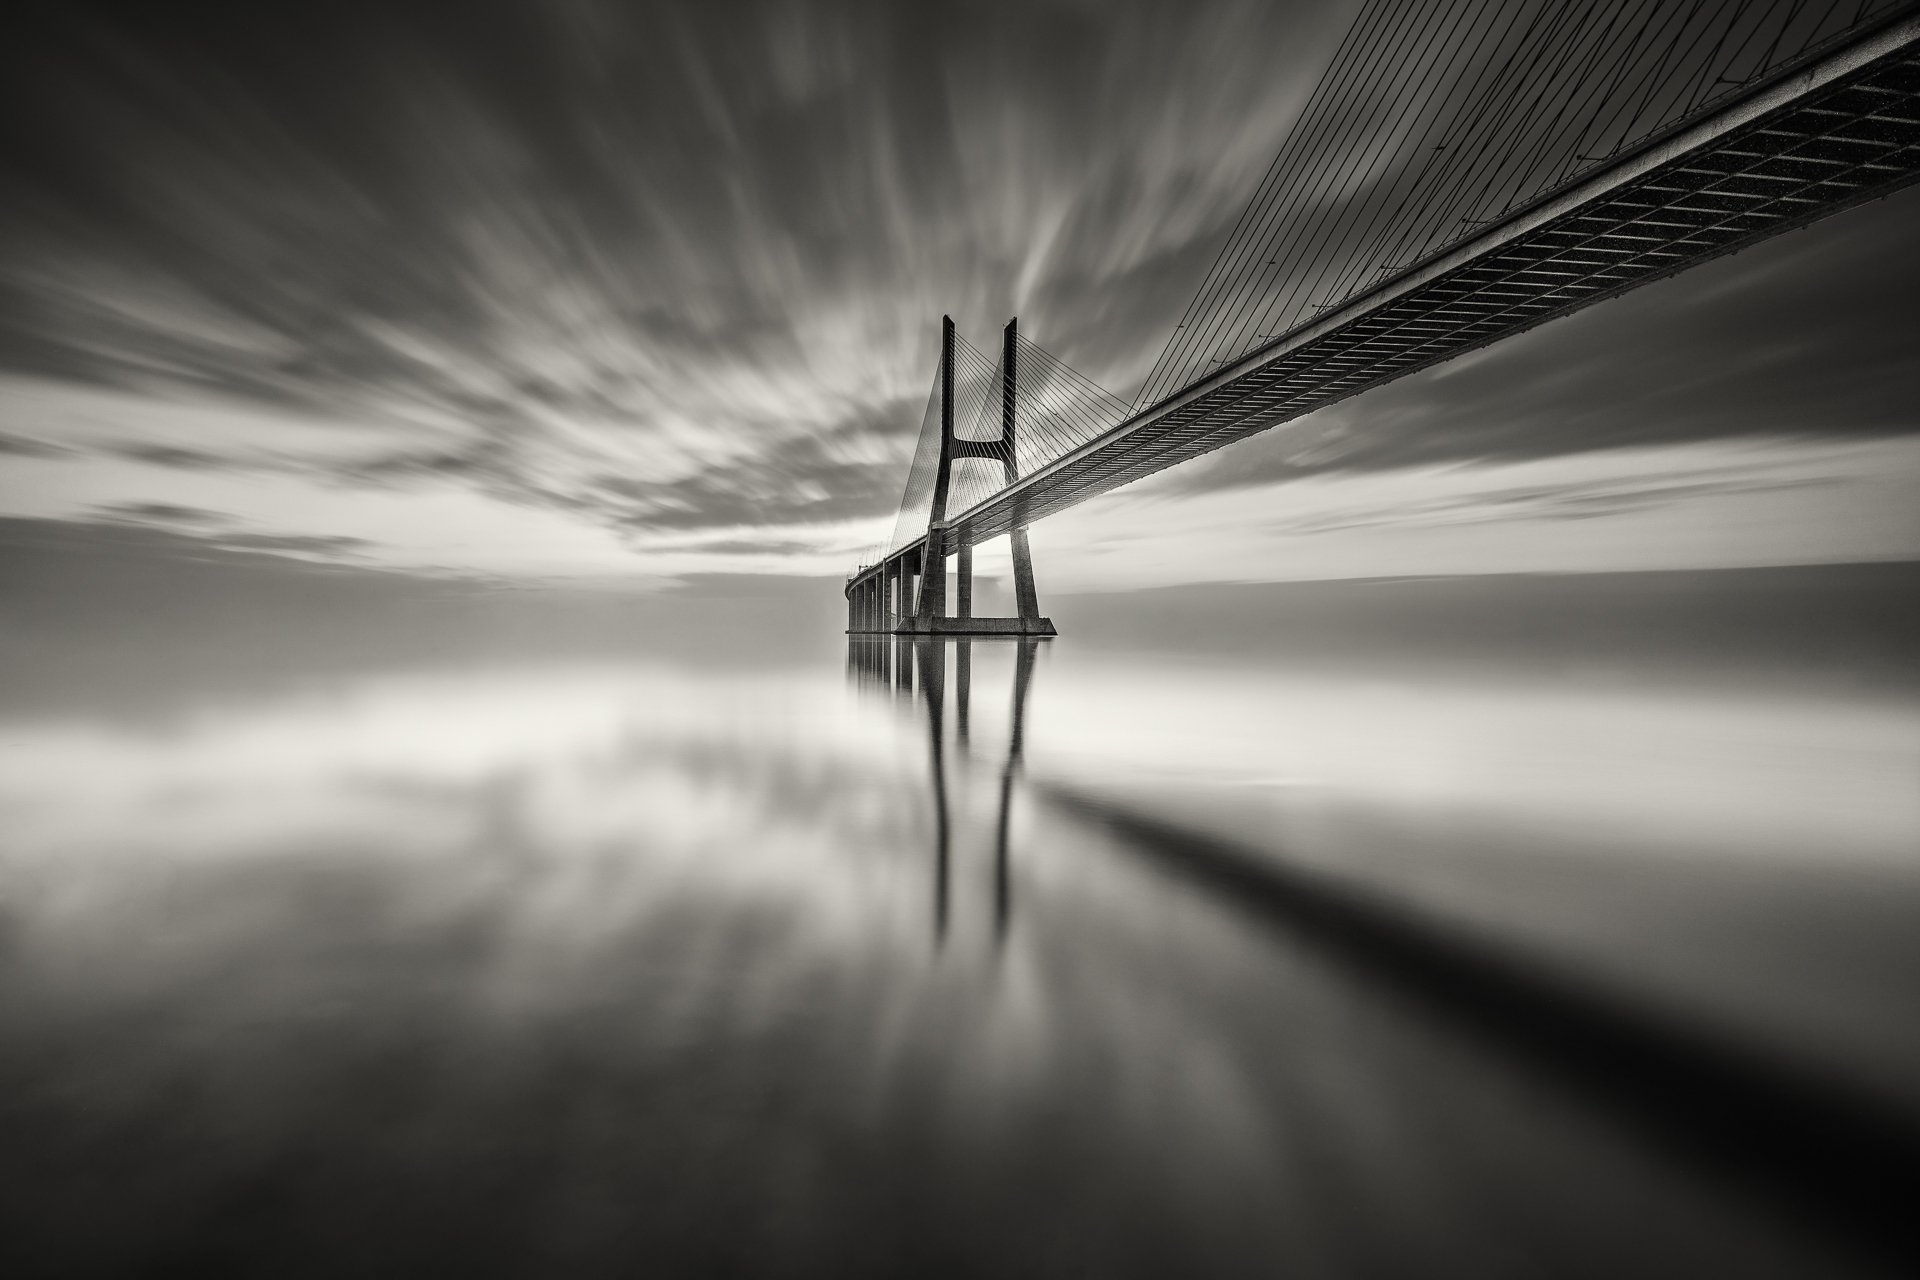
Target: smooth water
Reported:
[(1359, 945)]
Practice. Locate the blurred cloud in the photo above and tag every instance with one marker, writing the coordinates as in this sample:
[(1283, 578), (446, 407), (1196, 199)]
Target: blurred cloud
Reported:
[(157, 513), (588, 289), (646, 264), (27, 447), (1707, 504)]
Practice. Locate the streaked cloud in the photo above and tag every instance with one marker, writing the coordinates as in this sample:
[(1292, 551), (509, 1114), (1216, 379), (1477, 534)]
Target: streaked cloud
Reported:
[(163, 514), (1710, 504), (594, 290)]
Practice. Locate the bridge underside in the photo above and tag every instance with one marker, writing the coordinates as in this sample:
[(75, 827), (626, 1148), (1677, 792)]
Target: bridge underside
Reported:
[(1831, 133)]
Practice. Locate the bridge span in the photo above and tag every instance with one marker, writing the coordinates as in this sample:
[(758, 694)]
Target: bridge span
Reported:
[(1801, 137)]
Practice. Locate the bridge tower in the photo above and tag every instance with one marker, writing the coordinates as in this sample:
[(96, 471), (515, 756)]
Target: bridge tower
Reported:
[(920, 570)]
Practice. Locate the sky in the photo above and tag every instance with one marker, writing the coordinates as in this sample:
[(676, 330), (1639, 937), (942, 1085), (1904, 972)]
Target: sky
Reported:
[(633, 295)]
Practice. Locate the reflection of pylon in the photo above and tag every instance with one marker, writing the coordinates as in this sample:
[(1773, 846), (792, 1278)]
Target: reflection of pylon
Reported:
[(922, 662), (1002, 859)]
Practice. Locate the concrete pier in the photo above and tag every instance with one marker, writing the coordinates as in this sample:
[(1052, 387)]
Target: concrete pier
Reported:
[(963, 583)]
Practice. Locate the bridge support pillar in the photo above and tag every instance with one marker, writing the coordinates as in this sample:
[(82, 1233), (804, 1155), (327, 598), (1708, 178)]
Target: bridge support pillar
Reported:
[(1026, 598), (963, 583), (933, 577)]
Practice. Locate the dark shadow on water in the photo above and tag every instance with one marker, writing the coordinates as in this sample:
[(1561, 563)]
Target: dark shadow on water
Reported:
[(1836, 1162)]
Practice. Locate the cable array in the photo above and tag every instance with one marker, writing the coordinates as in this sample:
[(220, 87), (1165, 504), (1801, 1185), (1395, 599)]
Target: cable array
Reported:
[(1056, 410), (916, 500), (973, 382), (1433, 120)]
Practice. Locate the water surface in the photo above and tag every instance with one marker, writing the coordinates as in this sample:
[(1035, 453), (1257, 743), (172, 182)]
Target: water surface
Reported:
[(1360, 944)]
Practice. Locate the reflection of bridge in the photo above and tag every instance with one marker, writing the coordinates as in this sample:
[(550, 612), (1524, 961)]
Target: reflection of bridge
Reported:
[(1812, 1151), (903, 667), (1454, 179)]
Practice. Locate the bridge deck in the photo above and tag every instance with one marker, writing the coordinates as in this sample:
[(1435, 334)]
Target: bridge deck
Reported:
[(1830, 131)]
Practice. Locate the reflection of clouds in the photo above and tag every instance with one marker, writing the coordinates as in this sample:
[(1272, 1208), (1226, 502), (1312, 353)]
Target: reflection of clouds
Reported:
[(659, 942), (356, 760), (726, 875), (1740, 774)]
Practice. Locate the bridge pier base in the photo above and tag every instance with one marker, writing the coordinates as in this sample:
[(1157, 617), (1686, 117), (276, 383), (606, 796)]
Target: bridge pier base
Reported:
[(930, 618), (907, 596), (941, 626)]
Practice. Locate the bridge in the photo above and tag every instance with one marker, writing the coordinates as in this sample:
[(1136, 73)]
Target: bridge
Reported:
[(1459, 174)]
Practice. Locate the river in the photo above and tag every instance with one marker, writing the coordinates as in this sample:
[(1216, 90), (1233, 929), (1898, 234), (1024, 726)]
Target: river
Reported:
[(1548, 927)]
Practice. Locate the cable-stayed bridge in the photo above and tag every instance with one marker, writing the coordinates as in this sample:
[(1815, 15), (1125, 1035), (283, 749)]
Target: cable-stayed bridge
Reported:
[(1460, 173)]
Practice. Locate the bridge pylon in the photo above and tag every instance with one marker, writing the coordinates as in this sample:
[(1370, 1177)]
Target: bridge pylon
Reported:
[(906, 594)]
